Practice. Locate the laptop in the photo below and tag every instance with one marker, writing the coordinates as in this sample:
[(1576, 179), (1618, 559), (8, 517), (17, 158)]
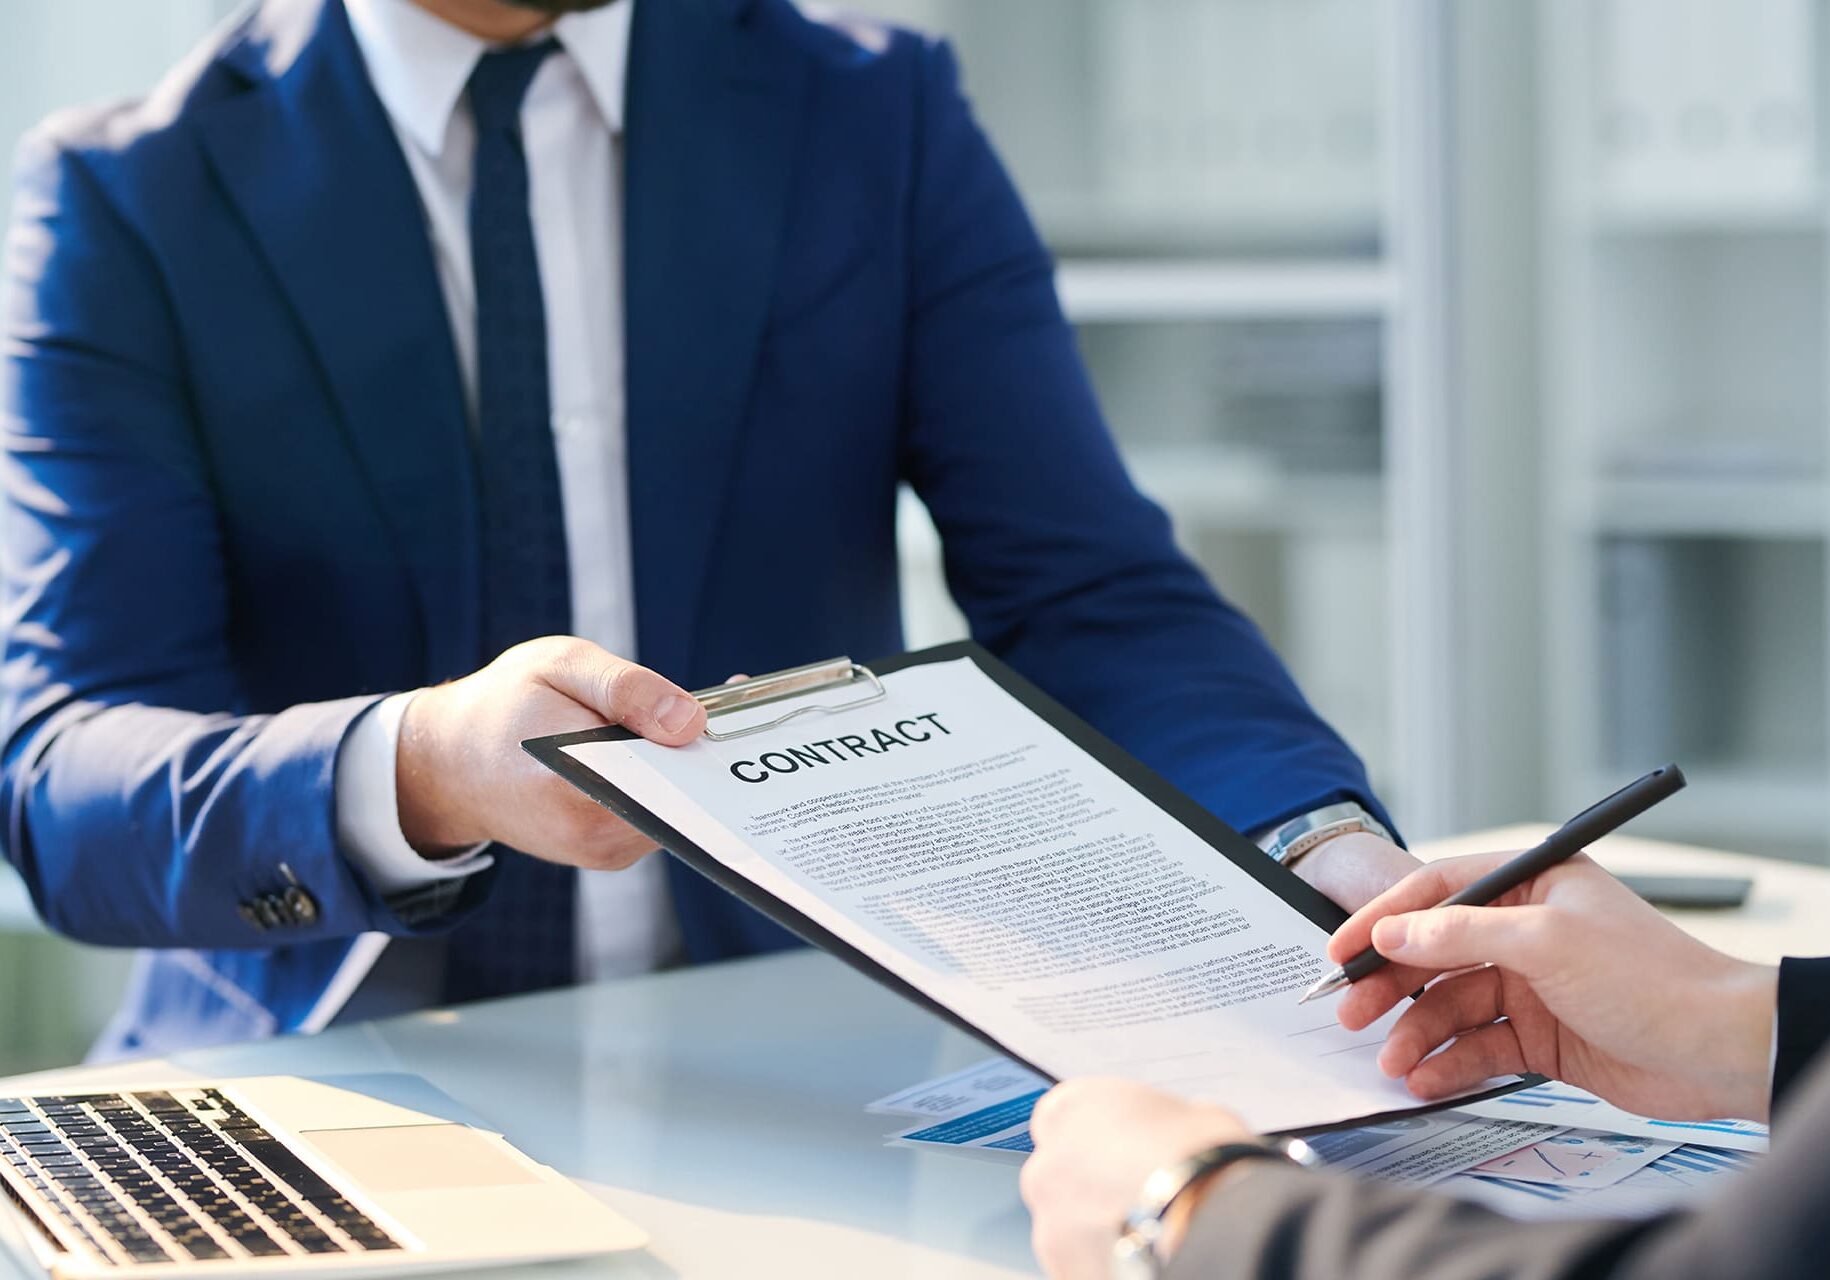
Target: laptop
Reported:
[(277, 1174)]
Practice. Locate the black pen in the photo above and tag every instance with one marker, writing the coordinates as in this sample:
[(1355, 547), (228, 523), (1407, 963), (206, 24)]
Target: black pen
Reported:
[(1560, 845)]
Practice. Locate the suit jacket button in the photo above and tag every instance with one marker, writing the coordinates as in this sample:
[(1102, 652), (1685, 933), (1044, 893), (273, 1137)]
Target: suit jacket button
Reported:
[(303, 906), (265, 906), (248, 913)]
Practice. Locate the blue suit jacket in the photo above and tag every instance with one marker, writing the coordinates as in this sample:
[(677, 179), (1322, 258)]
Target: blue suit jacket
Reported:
[(240, 503)]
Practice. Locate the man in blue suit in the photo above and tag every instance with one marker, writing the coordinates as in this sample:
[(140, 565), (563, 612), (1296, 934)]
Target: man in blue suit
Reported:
[(399, 372)]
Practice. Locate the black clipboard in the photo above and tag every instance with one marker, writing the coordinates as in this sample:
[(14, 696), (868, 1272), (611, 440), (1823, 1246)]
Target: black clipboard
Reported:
[(858, 685)]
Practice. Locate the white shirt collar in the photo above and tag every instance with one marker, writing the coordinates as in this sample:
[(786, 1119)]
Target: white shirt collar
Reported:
[(598, 42), (420, 64)]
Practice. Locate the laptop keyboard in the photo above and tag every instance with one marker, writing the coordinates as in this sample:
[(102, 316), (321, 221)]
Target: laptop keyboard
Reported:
[(180, 1176)]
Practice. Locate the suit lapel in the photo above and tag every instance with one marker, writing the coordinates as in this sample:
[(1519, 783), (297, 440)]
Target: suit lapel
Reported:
[(712, 125), (311, 162)]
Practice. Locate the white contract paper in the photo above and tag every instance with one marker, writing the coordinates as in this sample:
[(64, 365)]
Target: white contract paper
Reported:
[(958, 839)]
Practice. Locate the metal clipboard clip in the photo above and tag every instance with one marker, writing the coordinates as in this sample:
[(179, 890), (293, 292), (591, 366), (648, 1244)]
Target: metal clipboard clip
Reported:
[(833, 674)]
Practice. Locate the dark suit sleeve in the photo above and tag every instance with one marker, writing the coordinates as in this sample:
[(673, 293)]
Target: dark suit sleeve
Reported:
[(1060, 565), (1278, 1223), (142, 803), (1804, 1022)]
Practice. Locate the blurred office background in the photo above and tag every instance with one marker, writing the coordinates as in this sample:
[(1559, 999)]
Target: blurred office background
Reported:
[(1479, 350)]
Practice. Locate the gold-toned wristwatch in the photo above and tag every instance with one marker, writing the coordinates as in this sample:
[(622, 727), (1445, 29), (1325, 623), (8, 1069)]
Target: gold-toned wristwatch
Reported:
[(1291, 840), (1138, 1254)]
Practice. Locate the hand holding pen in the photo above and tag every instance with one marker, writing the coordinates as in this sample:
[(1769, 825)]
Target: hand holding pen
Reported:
[(1600, 819), (1582, 981)]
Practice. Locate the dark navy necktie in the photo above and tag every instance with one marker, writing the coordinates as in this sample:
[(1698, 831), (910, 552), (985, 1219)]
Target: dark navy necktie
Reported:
[(522, 939)]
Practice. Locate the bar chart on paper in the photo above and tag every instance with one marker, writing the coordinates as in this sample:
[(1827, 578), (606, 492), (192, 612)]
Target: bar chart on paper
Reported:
[(1563, 1104)]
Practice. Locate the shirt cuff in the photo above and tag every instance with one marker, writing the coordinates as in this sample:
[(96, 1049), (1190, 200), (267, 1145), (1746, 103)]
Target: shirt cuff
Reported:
[(368, 811)]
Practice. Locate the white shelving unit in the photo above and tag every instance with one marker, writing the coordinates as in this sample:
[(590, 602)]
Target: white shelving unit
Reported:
[(1246, 201), (1686, 337), (1114, 291)]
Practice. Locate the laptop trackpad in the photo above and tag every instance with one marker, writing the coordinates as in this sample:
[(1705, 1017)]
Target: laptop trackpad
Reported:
[(435, 1157)]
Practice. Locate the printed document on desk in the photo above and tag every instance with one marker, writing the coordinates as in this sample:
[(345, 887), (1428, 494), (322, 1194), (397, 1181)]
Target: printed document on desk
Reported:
[(970, 843)]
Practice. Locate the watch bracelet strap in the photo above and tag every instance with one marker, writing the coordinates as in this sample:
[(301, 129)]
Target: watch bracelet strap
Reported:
[(1205, 1165), (1289, 842), (1216, 1159)]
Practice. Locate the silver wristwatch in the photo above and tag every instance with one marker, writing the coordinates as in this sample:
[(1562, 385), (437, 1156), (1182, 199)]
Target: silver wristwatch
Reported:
[(1138, 1255), (1293, 839)]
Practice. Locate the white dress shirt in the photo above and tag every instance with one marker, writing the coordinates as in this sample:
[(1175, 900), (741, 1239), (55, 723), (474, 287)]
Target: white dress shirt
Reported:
[(570, 120)]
